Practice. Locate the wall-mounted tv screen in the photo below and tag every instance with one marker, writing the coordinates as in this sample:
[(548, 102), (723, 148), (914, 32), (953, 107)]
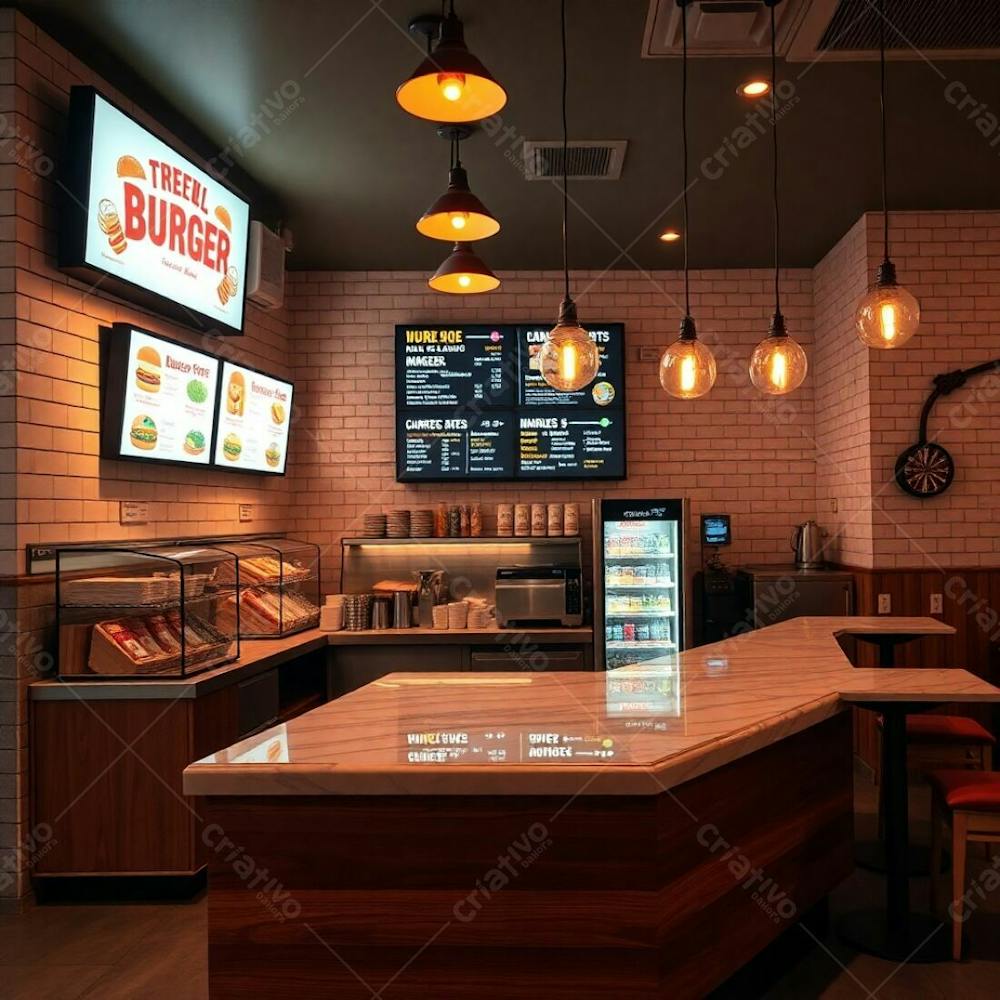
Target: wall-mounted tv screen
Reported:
[(159, 399), (471, 404), (253, 419), (153, 226)]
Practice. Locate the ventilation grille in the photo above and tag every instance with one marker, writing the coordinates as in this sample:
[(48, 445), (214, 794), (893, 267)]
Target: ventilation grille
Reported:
[(914, 24), (585, 160)]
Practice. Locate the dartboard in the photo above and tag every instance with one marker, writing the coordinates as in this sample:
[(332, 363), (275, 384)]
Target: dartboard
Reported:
[(925, 470)]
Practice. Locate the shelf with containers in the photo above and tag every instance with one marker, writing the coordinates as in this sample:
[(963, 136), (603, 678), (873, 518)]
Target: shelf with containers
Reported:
[(275, 587), (143, 611)]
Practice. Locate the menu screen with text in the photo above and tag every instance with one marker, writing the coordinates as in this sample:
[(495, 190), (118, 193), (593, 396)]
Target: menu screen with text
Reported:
[(169, 404), (254, 412), (471, 403)]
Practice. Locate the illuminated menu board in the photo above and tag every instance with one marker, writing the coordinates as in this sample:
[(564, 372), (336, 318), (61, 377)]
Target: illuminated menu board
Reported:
[(154, 226), (253, 419), (471, 404), (160, 400)]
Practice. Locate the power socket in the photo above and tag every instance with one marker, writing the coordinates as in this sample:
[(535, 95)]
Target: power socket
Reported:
[(937, 604), (885, 604)]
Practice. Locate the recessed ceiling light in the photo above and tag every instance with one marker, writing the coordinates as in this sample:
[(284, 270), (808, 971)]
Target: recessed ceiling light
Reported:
[(753, 88), (670, 236)]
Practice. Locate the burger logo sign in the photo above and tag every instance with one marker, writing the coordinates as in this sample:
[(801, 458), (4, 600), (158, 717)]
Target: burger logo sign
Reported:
[(159, 222)]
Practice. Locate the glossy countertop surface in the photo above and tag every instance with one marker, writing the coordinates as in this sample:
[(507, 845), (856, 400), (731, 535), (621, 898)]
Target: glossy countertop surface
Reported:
[(635, 730)]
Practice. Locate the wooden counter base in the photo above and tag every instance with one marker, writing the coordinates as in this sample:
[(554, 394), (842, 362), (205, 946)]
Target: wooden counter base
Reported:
[(494, 897)]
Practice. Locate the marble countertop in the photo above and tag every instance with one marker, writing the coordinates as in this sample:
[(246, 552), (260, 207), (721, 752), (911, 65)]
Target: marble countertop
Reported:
[(636, 730)]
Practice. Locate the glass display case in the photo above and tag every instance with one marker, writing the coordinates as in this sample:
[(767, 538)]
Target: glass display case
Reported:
[(275, 587), (144, 612)]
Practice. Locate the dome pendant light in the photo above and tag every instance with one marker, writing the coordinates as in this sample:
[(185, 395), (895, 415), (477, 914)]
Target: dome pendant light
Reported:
[(569, 359), (463, 273), (888, 315), (451, 84), (457, 214), (687, 366), (778, 364)]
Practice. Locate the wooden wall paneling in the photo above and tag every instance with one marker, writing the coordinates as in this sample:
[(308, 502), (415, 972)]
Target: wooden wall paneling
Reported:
[(106, 777)]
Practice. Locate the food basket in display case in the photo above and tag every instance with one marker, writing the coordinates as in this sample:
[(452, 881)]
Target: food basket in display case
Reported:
[(143, 612), (276, 587)]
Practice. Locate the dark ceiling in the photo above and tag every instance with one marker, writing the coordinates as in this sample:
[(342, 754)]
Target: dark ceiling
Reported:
[(352, 172)]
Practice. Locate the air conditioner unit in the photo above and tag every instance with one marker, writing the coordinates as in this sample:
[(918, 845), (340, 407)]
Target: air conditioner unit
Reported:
[(266, 267)]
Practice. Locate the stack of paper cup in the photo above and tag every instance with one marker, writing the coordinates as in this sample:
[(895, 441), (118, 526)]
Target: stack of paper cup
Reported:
[(479, 613), (458, 615), (331, 617), (439, 616)]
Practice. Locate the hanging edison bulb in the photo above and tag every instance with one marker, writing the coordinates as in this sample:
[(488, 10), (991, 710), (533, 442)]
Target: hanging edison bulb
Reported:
[(888, 315), (687, 366), (778, 363), (569, 359)]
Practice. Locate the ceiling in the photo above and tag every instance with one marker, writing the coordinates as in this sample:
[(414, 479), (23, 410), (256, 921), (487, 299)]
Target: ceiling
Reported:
[(351, 172)]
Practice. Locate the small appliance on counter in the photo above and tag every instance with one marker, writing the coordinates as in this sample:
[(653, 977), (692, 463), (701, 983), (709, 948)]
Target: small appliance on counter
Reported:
[(539, 595), (776, 593), (432, 589), (807, 544)]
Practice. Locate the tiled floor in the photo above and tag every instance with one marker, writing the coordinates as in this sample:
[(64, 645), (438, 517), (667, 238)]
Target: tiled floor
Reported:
[(158, 952)]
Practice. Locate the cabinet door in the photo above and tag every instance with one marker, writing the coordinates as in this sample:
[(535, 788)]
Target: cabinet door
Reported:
[(537, 659)]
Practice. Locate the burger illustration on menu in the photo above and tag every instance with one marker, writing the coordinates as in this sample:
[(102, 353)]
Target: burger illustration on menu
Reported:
[(143, 435), (148, 372)]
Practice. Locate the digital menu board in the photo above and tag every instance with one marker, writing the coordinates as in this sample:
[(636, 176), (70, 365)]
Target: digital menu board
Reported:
[(159, 400), (157, 228), (471, 404), (253, 418)]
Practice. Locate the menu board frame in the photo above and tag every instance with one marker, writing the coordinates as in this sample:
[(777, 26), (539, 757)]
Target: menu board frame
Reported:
[(515, 410), (214, 464), (116, 369), (75, 191)]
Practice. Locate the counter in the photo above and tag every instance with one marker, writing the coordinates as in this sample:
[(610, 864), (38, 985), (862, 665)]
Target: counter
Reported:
[(677, 818)]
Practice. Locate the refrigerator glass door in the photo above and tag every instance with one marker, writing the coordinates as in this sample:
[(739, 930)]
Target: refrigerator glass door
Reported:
[(642, 581)]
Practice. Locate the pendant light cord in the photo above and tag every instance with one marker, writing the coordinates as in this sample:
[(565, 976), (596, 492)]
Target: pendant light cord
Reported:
[(565, 150), (774, 157), (885, 159), (684, 147)]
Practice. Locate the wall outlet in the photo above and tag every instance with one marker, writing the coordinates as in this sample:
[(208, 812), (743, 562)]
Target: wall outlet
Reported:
[(133, 512), (885, 604), (833, 505), (937, 604), (246, 512)]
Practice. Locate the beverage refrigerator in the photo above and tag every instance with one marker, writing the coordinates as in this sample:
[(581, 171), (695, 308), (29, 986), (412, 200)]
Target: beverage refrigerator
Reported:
[(638, 580)]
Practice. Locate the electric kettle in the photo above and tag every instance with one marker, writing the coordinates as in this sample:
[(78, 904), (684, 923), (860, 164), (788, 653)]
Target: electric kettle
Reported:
[(807, 543)]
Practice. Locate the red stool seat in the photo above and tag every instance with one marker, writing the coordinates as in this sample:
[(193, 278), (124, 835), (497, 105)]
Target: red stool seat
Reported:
[(977, 791), (946, 729)]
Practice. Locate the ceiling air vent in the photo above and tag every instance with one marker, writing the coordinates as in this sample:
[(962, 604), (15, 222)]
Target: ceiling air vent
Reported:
[(586, 159), (927, 25)]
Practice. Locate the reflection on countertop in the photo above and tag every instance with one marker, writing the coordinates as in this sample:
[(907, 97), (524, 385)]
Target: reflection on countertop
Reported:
[(636, 730)]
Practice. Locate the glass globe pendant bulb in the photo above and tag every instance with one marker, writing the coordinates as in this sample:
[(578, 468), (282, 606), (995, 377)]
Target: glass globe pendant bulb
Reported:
[(569, 359), (778, 364), (887, 315), (687, 366)]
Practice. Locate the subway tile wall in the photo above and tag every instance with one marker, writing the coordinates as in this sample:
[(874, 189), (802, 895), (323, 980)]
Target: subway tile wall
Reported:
[(731, 451)]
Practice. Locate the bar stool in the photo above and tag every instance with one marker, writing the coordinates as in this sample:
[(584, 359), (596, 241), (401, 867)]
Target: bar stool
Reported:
[(972, 802), (943, 742)]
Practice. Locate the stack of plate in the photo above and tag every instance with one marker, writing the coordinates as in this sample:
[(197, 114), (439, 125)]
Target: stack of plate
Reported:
[(331, 618), (439, 615), (422, 524), (458, 615), (398, 524), (357, 612), (374, 525)]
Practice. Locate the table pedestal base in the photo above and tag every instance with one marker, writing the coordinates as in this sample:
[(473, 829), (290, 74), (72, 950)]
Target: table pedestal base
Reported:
[(919, 937)]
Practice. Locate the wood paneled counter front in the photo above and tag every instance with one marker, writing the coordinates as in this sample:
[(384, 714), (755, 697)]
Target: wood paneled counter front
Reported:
[(636, 834)]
